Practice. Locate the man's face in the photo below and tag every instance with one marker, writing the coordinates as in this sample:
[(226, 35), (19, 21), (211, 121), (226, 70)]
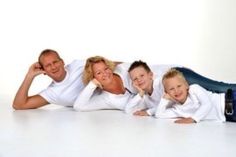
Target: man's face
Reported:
[(53, 66)]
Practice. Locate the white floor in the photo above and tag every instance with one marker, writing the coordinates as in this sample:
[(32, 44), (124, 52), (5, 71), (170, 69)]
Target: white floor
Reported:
[(61, 132)]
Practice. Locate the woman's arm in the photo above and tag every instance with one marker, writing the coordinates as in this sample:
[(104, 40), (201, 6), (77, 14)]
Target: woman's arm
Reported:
[(90, 100)]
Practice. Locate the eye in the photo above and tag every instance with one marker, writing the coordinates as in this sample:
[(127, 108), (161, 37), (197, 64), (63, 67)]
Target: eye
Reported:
[(179, 86), (106, 69), (97, 73), (171, 89), (56, 62), (47, 66)]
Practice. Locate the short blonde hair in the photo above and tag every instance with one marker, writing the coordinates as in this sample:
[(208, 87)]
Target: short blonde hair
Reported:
[(172, 73), (88, 72)]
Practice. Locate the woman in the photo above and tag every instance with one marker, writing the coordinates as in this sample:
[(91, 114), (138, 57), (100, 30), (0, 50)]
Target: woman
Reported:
[(107, 86)]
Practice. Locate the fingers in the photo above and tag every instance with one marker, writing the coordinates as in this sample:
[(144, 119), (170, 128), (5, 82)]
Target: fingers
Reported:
[(36, 69), (185, 121), (97, 83), (140, 113)]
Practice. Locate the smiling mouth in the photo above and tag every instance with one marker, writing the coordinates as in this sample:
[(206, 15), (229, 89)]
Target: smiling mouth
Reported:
[(54, 72)]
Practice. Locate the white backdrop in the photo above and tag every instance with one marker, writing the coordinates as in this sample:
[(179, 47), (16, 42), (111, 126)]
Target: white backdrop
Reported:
[(199, 34)]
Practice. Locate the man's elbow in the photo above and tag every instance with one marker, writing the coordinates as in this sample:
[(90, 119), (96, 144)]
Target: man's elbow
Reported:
[(20, 106), (17, 107)]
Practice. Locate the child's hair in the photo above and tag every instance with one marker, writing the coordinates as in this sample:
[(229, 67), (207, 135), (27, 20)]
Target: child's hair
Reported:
[(139, 63), (172, 73)]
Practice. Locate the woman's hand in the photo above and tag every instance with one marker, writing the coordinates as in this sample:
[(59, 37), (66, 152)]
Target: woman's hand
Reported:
[(97, 83)]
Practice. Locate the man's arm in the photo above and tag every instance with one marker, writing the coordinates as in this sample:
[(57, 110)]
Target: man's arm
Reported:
[(22, 100)]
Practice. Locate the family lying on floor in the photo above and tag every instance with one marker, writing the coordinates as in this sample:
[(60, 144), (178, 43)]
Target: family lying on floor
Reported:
[(161, 91)]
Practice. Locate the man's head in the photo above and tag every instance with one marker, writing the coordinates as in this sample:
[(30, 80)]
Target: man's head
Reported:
[(52, 64)]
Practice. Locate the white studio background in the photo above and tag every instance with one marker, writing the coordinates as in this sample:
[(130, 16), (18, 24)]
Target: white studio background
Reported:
[(199, 34)]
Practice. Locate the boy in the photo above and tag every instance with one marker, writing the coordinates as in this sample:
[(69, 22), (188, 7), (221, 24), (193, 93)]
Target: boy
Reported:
[(189, 103)]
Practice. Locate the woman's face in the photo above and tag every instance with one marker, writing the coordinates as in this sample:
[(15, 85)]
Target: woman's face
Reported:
[(102, 73), (177, 89), (141, 78)]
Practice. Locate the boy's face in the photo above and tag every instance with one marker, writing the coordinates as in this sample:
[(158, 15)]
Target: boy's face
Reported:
[(141, 78), (177, 88)]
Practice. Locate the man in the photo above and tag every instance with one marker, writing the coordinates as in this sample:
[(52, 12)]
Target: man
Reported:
[(64, 89)]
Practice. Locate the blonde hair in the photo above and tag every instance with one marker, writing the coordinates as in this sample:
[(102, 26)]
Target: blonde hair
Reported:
[(172, 73), (88, 72)]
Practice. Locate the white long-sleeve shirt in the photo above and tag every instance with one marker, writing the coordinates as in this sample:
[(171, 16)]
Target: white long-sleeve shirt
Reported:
[(93, 98), (199, 105), (148, 102)]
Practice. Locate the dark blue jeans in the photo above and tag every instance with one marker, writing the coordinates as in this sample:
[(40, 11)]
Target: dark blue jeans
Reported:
[(209, 84)]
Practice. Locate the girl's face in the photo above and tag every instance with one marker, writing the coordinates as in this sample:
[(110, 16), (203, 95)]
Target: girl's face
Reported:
[(177, 89), (102, 73), (141, 78)]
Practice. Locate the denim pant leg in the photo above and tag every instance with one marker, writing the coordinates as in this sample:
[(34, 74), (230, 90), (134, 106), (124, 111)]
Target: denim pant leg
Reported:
[(209, 84)]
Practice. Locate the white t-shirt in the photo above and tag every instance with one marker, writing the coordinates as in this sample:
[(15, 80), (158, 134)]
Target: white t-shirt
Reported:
[(199, 105), (93, 98), (65, 92)]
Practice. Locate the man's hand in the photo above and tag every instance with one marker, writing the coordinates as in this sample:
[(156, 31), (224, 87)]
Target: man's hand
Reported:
[(35, 69)]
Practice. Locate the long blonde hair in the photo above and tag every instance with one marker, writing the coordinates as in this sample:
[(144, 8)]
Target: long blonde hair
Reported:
[(88, 72)]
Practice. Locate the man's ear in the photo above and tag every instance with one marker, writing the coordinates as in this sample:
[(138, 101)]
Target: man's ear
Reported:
[(151, 74), (63, 62)]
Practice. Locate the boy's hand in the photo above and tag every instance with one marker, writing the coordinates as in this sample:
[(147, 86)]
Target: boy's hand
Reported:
[(168, 97), (141, 113), (140, 91), (185, 120)]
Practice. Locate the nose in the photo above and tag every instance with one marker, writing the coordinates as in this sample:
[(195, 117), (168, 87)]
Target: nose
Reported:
[(53, 66)]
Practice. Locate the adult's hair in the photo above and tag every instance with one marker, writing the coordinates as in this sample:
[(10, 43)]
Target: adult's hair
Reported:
[(45, 52), (139, 63), (88, 72)]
